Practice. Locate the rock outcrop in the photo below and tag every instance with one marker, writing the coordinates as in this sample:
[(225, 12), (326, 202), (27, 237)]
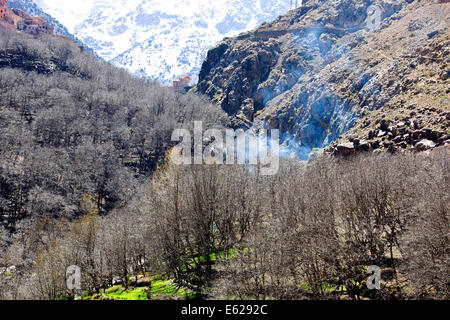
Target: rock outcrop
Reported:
[(397, 135), (325, 68)]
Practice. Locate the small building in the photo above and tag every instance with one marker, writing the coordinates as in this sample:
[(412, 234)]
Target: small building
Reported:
[(23, 21), (181, 83)]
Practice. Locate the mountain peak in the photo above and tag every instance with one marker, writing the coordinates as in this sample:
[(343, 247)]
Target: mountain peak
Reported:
[(165, 40)]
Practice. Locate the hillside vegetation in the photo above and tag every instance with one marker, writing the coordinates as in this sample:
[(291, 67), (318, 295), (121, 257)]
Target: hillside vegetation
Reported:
[(214, 232), (73, 126), (86, 181)]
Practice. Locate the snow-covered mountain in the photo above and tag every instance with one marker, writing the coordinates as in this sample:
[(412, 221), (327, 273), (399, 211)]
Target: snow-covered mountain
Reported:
[(162, 39)]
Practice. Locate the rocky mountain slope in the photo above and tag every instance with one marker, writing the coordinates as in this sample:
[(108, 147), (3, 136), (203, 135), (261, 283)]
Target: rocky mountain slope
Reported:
[(163, 39), (330, 66)]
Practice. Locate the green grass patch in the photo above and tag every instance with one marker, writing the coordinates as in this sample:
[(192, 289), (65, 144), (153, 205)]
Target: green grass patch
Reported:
[(166, 288), (162, 287), (326, 287), (130, 294), (159, 289), (231, 253)]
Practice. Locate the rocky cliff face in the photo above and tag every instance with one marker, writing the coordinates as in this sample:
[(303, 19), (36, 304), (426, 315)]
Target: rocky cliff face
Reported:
[(319, 70)]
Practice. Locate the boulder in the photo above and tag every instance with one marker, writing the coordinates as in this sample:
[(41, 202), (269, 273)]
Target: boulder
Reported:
[(381, 134), (330, 149), (445, 75), (432, 34), (428, 132), (384, 125), (116, 280), (375, 144), (392, 128), (436, 135), (352, 137), (362, 145), (416, 134), (444, 138), (11, 269), (388, 144), (345, 149), (425, 145)]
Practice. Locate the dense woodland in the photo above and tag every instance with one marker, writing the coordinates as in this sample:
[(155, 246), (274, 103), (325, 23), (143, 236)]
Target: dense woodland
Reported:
[(72, 125), (83, 181)]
